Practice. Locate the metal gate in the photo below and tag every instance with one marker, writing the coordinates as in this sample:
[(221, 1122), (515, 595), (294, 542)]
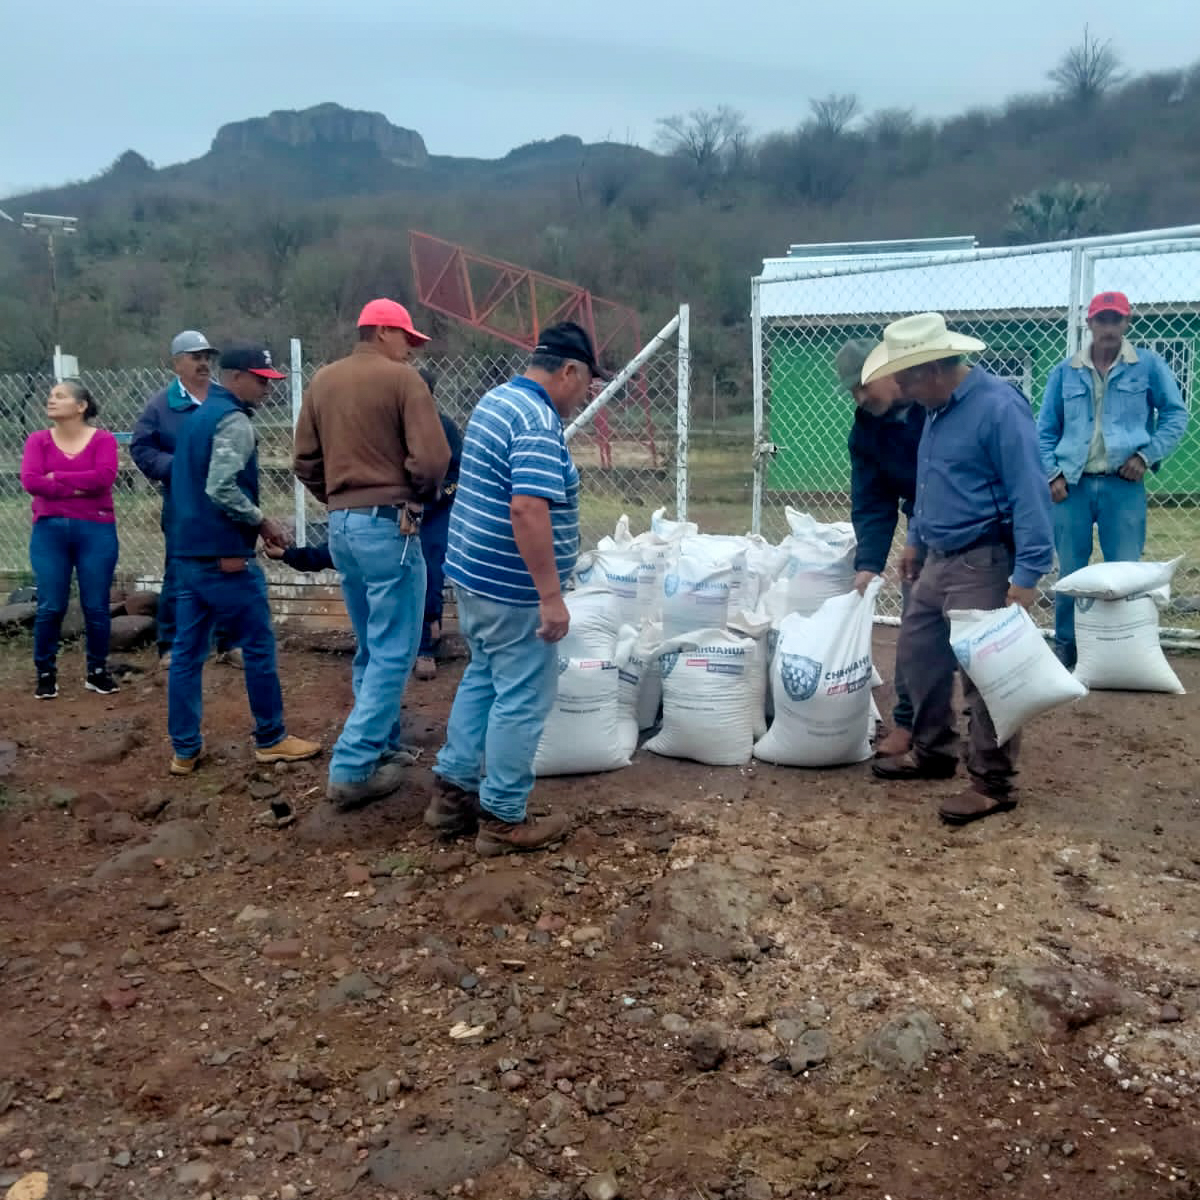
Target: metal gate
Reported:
[(1027, 304)]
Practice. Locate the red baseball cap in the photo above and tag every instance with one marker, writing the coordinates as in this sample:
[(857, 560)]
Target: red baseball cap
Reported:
[(1116, 302), (390, 315)]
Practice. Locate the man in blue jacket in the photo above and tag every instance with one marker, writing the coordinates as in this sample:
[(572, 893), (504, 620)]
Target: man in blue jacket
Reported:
[(216, 523), (152, 448), (1111, 412), (883, 482)]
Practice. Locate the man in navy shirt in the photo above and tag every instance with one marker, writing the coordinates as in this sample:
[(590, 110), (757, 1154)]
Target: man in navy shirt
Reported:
[(514, 539), (981, 537), (883, 482)]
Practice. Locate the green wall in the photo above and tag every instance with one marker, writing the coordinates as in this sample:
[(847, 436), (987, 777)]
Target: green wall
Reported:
[(809, 415)]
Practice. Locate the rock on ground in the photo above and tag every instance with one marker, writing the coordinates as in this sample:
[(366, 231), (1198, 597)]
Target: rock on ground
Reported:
[(448, 1135), (905, 1043), (705, 910), (1055, 1001), (171, 840)]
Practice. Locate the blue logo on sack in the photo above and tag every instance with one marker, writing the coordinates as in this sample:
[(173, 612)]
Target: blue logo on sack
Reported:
[(670, 584), (800, 676), (1084, 603), (962, 651), (562, 665), (667, 662), (585, 574)]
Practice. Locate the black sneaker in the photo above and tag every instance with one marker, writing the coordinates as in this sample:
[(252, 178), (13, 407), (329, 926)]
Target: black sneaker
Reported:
[(99, 680), (47, 685)]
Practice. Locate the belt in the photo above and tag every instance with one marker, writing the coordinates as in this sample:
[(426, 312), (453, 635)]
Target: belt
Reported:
[(407, 516), (990, 539)]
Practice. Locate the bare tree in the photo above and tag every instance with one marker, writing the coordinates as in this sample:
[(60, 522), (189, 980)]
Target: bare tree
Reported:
[(833, 114), (890, 125), (707, 138), (1063, 210), (1086, 71)]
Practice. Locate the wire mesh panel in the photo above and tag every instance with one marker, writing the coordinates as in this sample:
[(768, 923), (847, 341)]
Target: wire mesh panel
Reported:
[(1017, 302), (626, 456)]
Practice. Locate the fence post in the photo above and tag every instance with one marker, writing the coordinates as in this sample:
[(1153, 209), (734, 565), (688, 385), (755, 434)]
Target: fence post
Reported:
[(756, 352), (1074, 333), (683, 411), (296, 378)]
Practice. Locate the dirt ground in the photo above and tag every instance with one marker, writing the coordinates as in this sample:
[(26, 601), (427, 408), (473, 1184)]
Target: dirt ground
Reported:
[(745, 984)]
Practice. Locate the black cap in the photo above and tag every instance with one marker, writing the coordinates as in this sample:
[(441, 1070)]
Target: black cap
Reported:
[(249, 356), (569, 340)]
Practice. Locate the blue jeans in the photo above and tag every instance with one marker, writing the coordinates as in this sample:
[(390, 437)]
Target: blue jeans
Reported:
[(501, 705), (168, 604), (435, 531), (58, 546), (238, 602), (1117, 508), (383, 582)]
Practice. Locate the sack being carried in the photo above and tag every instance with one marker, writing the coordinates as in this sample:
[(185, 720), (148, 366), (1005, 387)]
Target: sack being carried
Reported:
[(707, 698), (1008, 660), (821, 685), (586, 730)]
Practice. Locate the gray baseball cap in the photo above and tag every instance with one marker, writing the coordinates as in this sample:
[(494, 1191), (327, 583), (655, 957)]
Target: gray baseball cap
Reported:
[(191, 341)]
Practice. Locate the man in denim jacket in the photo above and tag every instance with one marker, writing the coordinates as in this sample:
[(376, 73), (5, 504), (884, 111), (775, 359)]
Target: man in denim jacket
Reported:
[(1110, 413)]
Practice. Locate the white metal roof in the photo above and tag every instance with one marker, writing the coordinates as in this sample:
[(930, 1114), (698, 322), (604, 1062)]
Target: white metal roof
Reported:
[(1011, 281)]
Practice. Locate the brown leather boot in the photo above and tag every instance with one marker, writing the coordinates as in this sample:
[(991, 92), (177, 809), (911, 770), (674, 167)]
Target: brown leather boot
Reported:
[(452, 810), (501, 837)]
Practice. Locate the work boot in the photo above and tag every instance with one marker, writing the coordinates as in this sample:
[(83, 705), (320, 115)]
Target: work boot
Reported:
[(909, 766), (291, 749), (452, 810), (425, 668), (895, 744), (403, 756), (231, 658), (503, 837), (346, 796), (186, 766)]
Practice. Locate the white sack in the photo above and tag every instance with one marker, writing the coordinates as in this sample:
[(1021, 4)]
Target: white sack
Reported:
[(1008, 660), (667, 529), (585, 731), (707, 703), (613, 567), (640, 693), (703, 586), (1116, 580), (817, 562), (1118, 646), (821, 685), (596, 619)]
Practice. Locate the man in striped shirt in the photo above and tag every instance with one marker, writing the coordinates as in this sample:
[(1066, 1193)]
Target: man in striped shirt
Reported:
[(514, 538)]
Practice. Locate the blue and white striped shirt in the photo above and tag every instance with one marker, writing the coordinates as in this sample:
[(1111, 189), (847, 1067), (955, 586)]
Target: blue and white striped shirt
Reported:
[(514, 446)]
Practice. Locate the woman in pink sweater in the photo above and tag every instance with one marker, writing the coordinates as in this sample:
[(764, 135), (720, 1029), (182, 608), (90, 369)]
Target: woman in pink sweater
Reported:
[(69, 470)]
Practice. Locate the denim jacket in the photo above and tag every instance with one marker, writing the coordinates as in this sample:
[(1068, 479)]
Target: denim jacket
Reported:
[(1143, 413)]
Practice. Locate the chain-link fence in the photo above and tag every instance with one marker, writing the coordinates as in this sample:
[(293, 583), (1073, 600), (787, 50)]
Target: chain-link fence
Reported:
[(627, 451), (1027, 305)]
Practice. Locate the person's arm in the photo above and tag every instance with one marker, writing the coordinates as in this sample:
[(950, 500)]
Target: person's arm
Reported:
[(428, 450), (1172, 423), (146, 448), (98, 479), (307, 558), (233, 444), (1050, 424), (1014, 450), (873, 513), (35, 479), (308, 461)]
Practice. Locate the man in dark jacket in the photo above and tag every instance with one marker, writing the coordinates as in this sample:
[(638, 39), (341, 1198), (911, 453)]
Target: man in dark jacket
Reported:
[(216, 523), (152, 449), (883, 482)]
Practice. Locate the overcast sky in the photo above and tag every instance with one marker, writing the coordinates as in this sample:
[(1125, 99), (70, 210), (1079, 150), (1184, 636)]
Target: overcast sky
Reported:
[(83, 80)]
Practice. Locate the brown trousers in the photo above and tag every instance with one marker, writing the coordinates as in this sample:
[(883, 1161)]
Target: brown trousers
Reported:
[(977, 579)]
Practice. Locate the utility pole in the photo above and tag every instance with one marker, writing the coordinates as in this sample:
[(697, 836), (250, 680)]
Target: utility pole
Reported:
[(51, 224)]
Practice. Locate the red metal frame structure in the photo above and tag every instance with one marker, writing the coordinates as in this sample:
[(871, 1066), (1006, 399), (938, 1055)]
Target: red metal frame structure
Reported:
[(515, 304)]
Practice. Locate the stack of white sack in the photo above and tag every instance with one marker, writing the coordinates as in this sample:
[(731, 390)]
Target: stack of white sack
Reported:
[(1116, 625), (816, 562), (821, 678)]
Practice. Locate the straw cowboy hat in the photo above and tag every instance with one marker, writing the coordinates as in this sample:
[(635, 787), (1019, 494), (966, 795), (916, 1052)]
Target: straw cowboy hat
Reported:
[(912, 341)]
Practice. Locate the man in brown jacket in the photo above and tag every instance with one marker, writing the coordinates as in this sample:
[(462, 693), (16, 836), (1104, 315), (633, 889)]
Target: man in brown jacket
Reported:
[(370, 446)]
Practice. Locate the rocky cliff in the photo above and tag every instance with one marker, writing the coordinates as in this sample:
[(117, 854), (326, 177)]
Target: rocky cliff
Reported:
[(326, 126)]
